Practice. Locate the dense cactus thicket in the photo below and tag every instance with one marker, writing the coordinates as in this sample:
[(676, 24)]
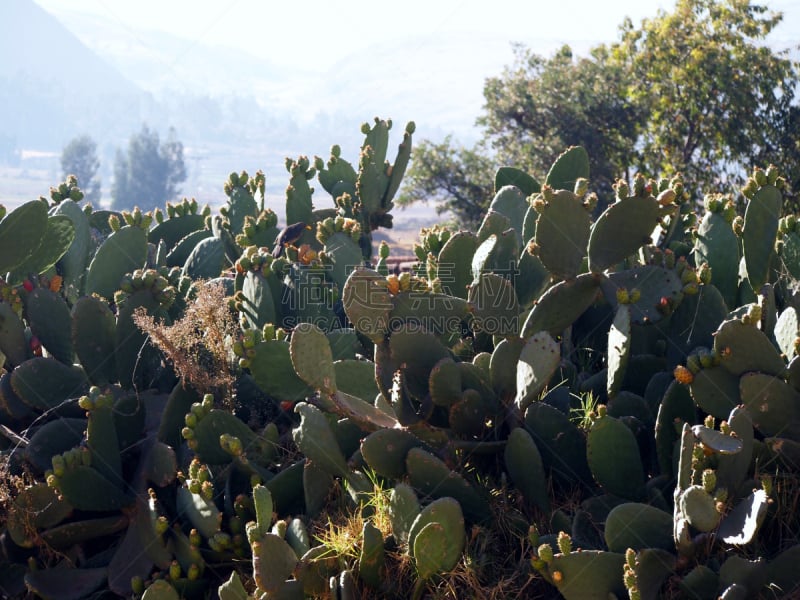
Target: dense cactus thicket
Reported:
[(597, 405)]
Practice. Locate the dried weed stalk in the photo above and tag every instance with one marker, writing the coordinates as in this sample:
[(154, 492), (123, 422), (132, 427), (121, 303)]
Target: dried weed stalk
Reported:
[(198, 343)]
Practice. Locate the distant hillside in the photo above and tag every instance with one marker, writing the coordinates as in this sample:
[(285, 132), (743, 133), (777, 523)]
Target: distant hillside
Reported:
[(434, 80), (157, 61), (35, 44), (53, 86)]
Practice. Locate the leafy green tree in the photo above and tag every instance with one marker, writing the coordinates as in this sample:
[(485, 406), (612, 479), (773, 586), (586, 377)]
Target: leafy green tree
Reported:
[(541, 106), (150, 173), (696, 91), (534, 111), (459, 179), (717, 97), (79, 158)]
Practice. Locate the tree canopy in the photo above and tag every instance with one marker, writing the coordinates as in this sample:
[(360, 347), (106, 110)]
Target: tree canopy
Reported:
[(714, 94), (696, 91), (459, 179), (150, 173), (79, 158)]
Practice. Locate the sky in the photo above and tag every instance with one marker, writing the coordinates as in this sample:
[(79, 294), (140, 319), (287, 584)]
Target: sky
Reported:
[(332, 30)]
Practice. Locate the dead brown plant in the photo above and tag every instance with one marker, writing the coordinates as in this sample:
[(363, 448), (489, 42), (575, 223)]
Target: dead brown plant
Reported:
[(198, 343)]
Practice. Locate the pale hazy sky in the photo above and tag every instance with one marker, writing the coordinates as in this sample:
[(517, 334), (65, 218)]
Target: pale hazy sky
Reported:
[(324, 31)]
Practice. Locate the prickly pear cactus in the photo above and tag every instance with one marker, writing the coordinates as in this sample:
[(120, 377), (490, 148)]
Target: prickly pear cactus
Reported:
[(627, 385)]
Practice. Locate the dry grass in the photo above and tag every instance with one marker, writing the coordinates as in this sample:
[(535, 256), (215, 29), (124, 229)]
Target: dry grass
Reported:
[(198, 343), (494, 564)]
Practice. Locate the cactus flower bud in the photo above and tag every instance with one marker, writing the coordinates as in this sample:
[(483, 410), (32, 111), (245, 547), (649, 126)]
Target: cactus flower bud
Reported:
[(750, 188), (194, 538), (666, 197), (174, 570), (639, 185), (231, 444), (85, 403), (754, 313), (279, 528), (161, 525), (581, 186), (564, 542), (545, 553), (222, 539), (630, 558), (709, 480), (738, 225), (58, 465), (772, 174), (393, 284), (683, 375), (621, 189), (533, 535), (629, 579), (137, 585), (691, 288), (706, 360), (207, 490)]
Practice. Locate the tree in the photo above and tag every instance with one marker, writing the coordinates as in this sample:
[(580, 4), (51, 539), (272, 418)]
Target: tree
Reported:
[(79, 158), (534, 111), (696, 91), (539, 107), (716, 96), (150, 173), (459, 179)]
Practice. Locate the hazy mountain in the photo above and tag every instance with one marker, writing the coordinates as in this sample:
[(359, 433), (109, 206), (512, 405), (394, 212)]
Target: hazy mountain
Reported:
[(52, 84), (434, 80), (157, 61), (35, 44)]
